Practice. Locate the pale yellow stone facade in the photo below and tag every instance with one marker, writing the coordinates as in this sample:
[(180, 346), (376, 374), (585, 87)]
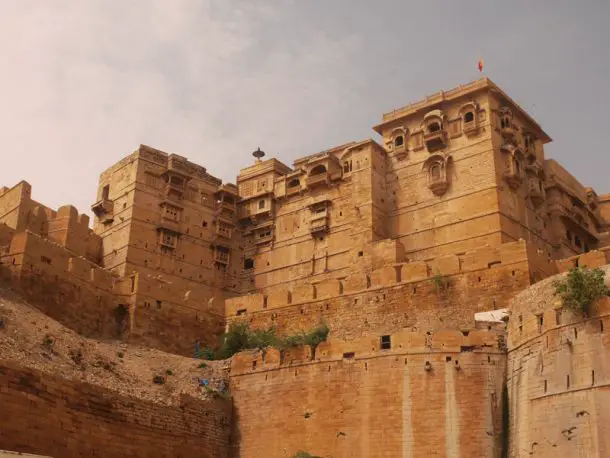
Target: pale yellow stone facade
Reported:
[(395, 243)]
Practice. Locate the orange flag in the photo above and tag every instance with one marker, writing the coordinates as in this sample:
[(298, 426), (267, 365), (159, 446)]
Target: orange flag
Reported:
[(481, 65)]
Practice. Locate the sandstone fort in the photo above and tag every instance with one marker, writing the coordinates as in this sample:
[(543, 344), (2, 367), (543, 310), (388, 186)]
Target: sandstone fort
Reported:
[(428, 254)]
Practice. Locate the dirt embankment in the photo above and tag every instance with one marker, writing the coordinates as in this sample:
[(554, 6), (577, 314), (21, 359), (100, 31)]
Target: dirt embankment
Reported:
[(33, 340)]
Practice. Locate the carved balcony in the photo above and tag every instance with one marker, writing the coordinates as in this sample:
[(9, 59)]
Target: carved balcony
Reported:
[(174, 191), (223, 231), (293, 190), (513, 178), (319, 224), (104, 210), (263, 239), (438, 186), (221, 257), (508, 132), (224, 206), (435, 140), (470, 128), (321, 179), (536, 191)]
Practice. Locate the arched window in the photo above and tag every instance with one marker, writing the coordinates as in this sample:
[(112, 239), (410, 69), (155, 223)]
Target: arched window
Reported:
[(434, 127), (347, 166), (261, 204), (318, 170), (399, 141), (505, 122), (435, 172), (469, 117)]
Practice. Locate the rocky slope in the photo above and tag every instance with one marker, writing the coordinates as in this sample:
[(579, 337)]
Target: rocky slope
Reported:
[(33, 340)]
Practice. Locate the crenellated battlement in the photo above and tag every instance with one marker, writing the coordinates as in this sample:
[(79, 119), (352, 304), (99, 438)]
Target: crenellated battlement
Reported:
[(446, 341), (481, 259)]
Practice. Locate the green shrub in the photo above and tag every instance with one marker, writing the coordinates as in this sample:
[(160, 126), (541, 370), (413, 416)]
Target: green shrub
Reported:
[(581, 288), (203, 365), (48, 342), (239, 337), (440, 282), (302, 454), (169, 372)]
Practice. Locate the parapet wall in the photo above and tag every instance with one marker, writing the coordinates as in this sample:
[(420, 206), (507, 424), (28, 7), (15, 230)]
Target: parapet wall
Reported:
[(70, 289), (443, 293), (438, 393), (56, 417), (484, 258), (66, 226), (558, 380)]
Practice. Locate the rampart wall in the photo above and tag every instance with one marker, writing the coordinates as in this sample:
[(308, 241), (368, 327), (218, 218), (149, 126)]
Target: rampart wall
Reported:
[(444, 292), (60, 418), (70, 289), (558, 375), (429, 394)]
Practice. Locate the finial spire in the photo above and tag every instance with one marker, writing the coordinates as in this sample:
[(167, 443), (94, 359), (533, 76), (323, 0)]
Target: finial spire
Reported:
[(258, 154)]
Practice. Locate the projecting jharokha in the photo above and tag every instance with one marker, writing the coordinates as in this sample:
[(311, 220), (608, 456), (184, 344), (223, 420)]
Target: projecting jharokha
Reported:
[(384, 287)]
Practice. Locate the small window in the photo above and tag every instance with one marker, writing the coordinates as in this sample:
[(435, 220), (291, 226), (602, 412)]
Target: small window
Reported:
[(241, 312), (469, 117), (248, 263), (386, 342), (293, 183), (105, 192), (204, 223), (399, 141), (349, 355), (435, 172), (158, 304), (347, 166), (577, 242), (261, 204), (434, 127)]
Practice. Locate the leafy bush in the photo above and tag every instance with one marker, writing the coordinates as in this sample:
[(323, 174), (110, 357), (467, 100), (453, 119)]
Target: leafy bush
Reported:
[(302, 454), (440, 282), (48, 342), (582, 288), (169, 372), (159, 380), (239, 337), (203, 365)]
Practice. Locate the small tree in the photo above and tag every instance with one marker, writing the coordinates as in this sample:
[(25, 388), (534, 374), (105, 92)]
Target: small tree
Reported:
[(582, 288)]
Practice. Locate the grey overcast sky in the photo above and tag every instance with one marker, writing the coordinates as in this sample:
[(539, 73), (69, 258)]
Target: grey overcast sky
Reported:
[(84, 82)]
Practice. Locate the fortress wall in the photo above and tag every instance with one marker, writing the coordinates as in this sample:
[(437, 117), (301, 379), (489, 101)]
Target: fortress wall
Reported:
[(558, 377), (172, 317), (372, 402), (56, 417), (70, 289), (395, 297)]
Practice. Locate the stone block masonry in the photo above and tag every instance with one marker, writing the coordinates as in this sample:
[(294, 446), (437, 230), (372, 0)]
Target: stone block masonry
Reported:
[(52, 416), (428, 395)]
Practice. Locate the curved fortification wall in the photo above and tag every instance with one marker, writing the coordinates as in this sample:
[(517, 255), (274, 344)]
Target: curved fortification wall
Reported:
[(558, 376), (61, 418), (428, 394)]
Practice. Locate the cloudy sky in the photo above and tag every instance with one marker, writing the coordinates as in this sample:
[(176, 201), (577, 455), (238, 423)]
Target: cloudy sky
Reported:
[(84, 82)]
